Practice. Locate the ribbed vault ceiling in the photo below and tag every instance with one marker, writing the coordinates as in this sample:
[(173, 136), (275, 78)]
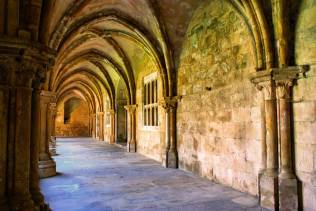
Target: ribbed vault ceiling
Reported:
[(100, 43)]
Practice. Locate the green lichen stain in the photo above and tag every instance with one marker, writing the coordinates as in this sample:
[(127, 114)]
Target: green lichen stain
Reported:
[(305, 43), (218, 48)]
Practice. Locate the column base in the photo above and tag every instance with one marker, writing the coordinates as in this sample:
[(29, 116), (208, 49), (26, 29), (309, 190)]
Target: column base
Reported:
[(268, 185), (52, 152), (288, 197), (39, 201), (131, 147), (170, 160), (22, 202), (47, 168), (52, 146), (112, 140)]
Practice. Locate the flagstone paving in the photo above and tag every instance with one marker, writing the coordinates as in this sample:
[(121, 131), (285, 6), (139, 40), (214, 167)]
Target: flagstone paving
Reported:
[(97, 176)]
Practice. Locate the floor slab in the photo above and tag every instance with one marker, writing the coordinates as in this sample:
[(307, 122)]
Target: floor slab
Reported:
[(97, 176)]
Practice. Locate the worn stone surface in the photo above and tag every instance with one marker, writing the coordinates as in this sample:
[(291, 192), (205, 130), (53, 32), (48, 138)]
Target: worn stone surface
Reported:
[(118, 180), (78, 124), (288, 199), (150, 140), (269, 192), (304, 106), (218, 118)]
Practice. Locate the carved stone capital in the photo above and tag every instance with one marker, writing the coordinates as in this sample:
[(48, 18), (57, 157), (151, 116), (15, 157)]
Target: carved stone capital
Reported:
[(170, 103), (53, 108), (131, 108), (26, 63), (25, 73), (285, 78), (48, 97), (284, 89), (263, 81), (6, 70)]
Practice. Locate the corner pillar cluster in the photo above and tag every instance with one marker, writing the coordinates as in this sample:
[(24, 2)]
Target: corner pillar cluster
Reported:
[(112, 123), (21, 72), (52, 143), (131, 140), (170, 154), (277, 180), (47, 166), (100, 126)]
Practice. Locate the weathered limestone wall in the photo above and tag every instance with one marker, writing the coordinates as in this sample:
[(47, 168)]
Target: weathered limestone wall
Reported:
[(219, 118), (304, 106), (78, 124), (150, 141), (107, 133), (121, 114)]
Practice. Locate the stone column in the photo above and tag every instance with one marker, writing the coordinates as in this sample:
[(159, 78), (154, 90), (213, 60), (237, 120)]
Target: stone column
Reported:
[(52, 143), (101, 126), (35, 141), (47, 166), (170, 155), (4, 99), (112, 118), (4, 106), (288, 195), (94, 130), (131, 141), (20, 196), (268, 180)]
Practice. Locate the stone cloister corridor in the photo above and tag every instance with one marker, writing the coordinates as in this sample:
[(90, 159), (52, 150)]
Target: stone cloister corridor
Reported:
[(97, 176), (206, 91)]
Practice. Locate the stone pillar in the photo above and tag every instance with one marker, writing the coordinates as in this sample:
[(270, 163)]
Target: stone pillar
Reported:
[(35, 141), (20, 196), (47, 166), (263, 165), (278, 186), (287, 181), (268, 178), (131, 141), (170, 155), (101, 126), (288, 193), (52, 143), (94, 126), (4, 106), (112, 118), (22, 67), (4, 99)]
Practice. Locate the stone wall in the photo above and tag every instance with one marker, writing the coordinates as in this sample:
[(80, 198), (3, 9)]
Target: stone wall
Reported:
[(219, 118), (78, 124), (150, 141), (304, 106)]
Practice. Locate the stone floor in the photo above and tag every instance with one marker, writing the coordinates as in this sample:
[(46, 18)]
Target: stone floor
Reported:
[(98, 176)]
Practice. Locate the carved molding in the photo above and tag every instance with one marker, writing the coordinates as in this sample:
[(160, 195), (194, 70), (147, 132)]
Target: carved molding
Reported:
[(284, 89), (170, 103), (6, 70), (277, 78), (131, 108), (25, 63)]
